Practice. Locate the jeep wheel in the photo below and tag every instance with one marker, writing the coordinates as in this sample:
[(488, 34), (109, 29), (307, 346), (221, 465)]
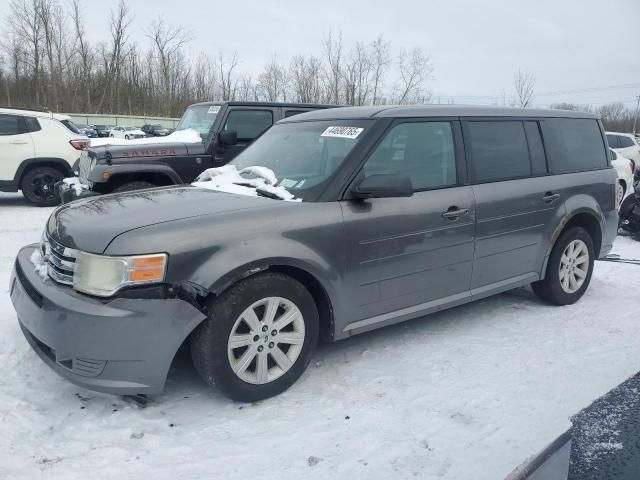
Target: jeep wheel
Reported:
[(128, 187), (37, 186), (569, 268), (259, 337), (126, 137)]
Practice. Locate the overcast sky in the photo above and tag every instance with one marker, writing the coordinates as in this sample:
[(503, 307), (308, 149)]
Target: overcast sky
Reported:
[(476, 47)]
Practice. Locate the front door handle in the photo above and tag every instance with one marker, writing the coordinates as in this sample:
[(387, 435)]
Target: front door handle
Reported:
[(550, 197), (18, 142), (453, 213)]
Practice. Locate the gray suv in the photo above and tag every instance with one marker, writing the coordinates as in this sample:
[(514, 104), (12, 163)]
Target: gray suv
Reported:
[(402, 211)]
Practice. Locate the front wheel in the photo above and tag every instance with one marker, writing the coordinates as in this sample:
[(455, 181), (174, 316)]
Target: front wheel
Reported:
[(569, 268), (259, 337), (37, 186)]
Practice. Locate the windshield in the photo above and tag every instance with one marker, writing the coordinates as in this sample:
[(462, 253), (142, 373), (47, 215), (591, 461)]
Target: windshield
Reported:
[(303, 155), (199, 118)]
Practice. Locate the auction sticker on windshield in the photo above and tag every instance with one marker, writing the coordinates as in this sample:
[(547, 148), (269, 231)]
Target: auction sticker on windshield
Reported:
[(214, 109), (342, 132)]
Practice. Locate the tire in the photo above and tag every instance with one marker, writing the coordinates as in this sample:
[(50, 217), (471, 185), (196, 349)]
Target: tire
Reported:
[(214, 358), (626, 210), (563, 292), (130, 186), (126, 137), (37, 186)]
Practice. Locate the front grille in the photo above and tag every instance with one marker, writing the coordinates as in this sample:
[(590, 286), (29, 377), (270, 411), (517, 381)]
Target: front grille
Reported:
[(85, 166), (61, 261)]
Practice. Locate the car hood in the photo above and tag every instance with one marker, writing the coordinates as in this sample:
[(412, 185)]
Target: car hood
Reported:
[(91, 224)]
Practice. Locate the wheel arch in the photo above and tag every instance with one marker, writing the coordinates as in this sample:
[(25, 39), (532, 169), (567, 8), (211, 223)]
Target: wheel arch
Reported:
[(31, 163), (585, 218), (159, 175), (299, 272)]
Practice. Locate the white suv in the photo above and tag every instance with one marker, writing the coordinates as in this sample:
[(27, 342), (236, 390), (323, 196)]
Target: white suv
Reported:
[(37, 149), (624, 144)]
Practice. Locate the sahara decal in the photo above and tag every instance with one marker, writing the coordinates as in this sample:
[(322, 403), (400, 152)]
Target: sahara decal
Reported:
[(150, 152)]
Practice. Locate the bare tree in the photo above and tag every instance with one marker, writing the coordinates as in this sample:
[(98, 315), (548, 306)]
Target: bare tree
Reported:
[(356, 75), (113, 56), (333, 56), (305, 76), (524, 83), (414, 68), (227, 78), (168, 42), (83, 51), (25, 24), (380, 61), (272, 82)]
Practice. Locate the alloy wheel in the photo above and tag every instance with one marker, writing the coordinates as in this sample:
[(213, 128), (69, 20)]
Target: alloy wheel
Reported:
[(574, 266), (266, 340)]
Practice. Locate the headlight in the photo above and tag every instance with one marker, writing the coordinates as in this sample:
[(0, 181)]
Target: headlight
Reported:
[(103, 276)]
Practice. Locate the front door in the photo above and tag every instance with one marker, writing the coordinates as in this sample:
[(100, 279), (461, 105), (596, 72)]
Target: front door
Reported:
[(15, 145), (406, 256), (249, 124)]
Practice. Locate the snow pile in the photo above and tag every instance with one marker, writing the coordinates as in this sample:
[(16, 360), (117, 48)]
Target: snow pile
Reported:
[(230, 180), (74, 182), (188, 135), (39, 264)]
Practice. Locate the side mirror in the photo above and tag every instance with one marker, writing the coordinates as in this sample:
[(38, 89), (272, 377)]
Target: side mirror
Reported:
[(383, 186), (228, 137)]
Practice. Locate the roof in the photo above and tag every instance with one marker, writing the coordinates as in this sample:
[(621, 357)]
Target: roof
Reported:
[(33, 113), (404, 111), (269, 104)]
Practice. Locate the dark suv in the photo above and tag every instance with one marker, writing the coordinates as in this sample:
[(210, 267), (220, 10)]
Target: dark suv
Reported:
[(225, 129), (394, 213)]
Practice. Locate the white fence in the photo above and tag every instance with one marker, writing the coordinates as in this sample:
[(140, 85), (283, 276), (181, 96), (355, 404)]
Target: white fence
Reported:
[(126, 120)]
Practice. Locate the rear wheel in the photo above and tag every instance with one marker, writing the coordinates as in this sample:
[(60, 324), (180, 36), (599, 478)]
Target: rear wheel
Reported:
[(37, 186), (259, 337), (126, 137), (569, 268), (130, 186)]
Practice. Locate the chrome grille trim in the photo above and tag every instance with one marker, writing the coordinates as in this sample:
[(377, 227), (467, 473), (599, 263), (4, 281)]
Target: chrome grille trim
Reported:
[(60, 261)]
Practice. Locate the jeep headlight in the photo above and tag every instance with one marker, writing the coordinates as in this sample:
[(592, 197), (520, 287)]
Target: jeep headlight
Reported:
[(103, 276)]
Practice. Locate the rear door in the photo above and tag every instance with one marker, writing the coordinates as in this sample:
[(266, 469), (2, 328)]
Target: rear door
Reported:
[(515, 202), (16, 145), (248, 123), (406, 255)]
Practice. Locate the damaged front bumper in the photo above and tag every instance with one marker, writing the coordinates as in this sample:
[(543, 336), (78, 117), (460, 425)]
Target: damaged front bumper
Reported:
[(119, 345)]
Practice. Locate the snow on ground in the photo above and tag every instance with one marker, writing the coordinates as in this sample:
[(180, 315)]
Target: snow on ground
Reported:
[(188, 135), (464, 394)]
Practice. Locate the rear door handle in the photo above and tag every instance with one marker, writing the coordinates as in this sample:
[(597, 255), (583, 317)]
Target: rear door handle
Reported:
[(550, 197), (453, 213), (18, 142)]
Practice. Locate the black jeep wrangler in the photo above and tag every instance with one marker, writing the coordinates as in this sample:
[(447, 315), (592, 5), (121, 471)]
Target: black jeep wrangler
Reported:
[(225, 129)]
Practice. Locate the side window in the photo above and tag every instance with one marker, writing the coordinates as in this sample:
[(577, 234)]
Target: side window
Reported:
[(573, 144), (612, 140), (422, 151), (10, 125), (625, 142), (291, 113), (32, 124), (498, 149), (536, 149), (249, 124), (72, 127)]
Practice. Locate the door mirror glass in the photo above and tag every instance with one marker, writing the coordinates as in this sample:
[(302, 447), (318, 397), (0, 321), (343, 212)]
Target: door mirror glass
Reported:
[(383, 186), (228, 137)]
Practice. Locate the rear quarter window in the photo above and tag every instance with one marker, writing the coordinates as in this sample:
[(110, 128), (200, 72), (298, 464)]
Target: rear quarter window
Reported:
[(574, 144), (72, 127), (612, 140)]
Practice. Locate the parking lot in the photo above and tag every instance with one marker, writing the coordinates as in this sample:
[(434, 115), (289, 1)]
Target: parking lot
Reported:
[(487, 384)]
